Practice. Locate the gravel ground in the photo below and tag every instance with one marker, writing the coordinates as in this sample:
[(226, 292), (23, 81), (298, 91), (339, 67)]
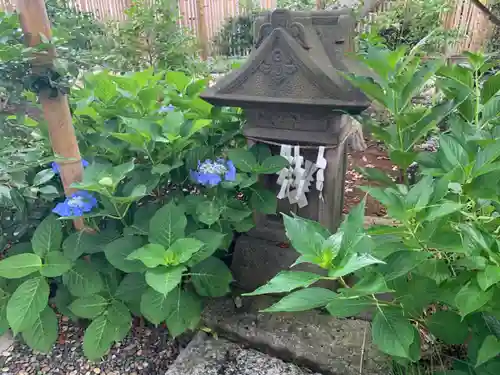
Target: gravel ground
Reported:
[(144, 351)]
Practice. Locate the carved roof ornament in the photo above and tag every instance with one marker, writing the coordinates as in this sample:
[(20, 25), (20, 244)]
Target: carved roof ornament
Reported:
[(281, 18)]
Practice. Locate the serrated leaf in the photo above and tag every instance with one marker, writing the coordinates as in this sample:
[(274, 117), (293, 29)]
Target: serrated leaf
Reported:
[(471, 298), (43, 333), (244, 160), (152, 255), (209, 212), (353, 264), (154, 306), (264, 201), (117, 252), (26, 303), (184, 248), (211, 240), (131, 287), (83, 280), (211, 278), (163, 279), (488, 277), (435, 269), (347, 307), (185, 311), (17, 266), (304, 299), (375, 174), (99, 336), (55, 264), (402, 262), (393, 334), (47, 237), (443, 209), (89, 307), (167, 225), (118, 313), (82, 242), (286, 281), (306, 237), (448, 326), (273, 164), (490, 348)]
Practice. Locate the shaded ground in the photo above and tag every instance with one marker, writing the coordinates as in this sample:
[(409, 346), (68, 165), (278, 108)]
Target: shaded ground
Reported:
[(373, 157)]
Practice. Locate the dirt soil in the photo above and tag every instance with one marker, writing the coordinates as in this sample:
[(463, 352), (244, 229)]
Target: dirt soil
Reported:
[(373, 157)]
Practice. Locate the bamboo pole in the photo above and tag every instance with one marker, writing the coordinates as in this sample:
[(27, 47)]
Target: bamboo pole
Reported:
[(35, 22), (202, 29)]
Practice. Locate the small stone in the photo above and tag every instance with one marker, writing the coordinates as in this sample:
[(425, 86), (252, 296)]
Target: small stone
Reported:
[(5, 369), (46, 369), (139, 352), (6, 354), (97, 370), (74, 372)]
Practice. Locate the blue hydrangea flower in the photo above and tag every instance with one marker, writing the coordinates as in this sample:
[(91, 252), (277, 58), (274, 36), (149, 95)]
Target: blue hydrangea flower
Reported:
[(76, 205), (55, 166), (212, 173), (168, 108)]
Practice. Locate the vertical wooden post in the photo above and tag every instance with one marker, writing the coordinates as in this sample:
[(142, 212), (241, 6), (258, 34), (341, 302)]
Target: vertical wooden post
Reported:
[(319, 4), (202, 29), (35, 22)]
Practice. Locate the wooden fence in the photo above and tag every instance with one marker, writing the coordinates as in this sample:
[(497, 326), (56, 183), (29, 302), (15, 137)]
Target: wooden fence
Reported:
[(474, 27)]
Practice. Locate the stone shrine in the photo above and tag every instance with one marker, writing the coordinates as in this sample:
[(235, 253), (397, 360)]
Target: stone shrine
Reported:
[(294, 93)]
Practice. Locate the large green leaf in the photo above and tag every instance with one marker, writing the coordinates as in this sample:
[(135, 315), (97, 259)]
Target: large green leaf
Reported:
[(304, 299), (48, 236), (131, 287), (471, 298), (448, 326), (264, 201), (304, 235), (443, 209), (45, 175), (56, 264), (209, 212), (26, 303), (392, 333), (167, 225), (488, 277), (272, 164), (17, 266), (183, 249), (490, 88), (211, 239), (152, 255), (489, 349), (211, 278), (163, 279), (155, 306), (352, 264), (453, 151), (184, 312), (83, 279), (347, 307), (82, 242), (117, 252), (352, 229), (43, 333), (286, 281), (402, 262), (244, 160), (89, 307), (99, 336)]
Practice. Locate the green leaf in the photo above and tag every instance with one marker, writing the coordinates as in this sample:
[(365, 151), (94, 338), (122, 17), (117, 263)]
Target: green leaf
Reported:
[(435, 269), (184, 312), (354, 263), (374, 174), (306, 237), (286, 281), (117, 252), (272, 164), (261, 151), (443, 209), (118, 313), (211, 278), (419, 195), (453, 151), (132, 286), (392, 333), (26, 303), (244, 225), (264, 201), (209, 212), (488, 277), (490, 348), (178, 79), (152, 255), (449, 327), (55, 264), (47, 236), (43, 176), (82, 242), (211, 240), (303, 299), (490, 88), (155, 306), (402, 262), (471, 298), (62, 300), (89, 307), (184, 248), (42, 334), (163, 279), (83, 280), (347, 307), (99, 336), (17, 266), (485, 158), (371, 283), (352, 229), (167, 225), (244, 160)]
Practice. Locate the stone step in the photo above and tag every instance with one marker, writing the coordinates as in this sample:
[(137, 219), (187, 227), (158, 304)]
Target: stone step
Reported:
[(206, 355)]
